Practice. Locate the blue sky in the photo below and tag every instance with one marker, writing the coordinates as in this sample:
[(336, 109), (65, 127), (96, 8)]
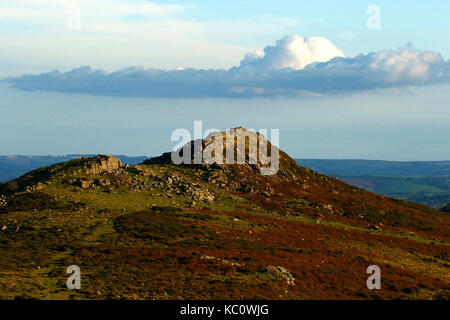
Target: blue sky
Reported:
[(357, 96), (205, 34)]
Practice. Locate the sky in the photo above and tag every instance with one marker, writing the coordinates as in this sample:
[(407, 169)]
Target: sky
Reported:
[(340, 80)]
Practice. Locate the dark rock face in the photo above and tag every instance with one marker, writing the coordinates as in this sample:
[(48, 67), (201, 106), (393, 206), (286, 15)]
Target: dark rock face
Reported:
[(446, 208)]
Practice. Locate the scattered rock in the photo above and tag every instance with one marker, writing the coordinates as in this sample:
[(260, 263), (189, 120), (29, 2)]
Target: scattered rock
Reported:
[(225, 262), (266, 193), (83, 183), (3, 202), (282, 273), (192, 204), (103, 182), (374, 227), (192, 191)]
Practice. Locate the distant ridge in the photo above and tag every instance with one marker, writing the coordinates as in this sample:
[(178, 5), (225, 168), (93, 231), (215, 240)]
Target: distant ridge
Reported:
[(13, 166), (377, 168)]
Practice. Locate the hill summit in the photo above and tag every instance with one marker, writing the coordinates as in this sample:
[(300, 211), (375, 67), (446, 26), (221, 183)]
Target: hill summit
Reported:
[(236, 146)]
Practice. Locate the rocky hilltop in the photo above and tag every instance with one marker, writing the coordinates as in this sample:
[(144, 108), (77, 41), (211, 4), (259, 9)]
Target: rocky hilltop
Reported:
[(255, 151), (158, 230)]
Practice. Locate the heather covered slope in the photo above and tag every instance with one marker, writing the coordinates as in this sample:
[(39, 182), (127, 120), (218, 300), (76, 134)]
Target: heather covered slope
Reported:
[(161, 231), (426, 182)]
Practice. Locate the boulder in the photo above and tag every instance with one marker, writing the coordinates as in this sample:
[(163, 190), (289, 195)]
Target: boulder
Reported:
[(282, 273), (3, 202), (83, 183)]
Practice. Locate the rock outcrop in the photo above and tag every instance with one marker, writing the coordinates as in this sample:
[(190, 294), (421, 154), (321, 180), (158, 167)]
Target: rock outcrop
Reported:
[(238, 135), (282, 273), (251, 150), (38, 179), (191, 191), (102, 164)]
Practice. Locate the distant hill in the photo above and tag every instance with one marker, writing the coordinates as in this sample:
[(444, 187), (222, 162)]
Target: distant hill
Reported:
[(377, 168), (426, 182), (14, 166)]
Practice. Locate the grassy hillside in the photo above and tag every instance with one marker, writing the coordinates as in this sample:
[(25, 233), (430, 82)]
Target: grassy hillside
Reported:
[(160, 231)]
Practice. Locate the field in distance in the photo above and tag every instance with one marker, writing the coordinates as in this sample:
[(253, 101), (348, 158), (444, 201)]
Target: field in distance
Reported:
[(425, 182)]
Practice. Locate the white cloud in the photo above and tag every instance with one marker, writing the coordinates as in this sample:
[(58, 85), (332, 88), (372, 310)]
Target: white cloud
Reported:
[(292, 67), (253, 56), (407, 64), (293, 52)]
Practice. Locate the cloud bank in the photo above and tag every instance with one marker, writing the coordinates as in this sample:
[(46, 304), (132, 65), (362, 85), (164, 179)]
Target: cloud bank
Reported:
[(293, 66)]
